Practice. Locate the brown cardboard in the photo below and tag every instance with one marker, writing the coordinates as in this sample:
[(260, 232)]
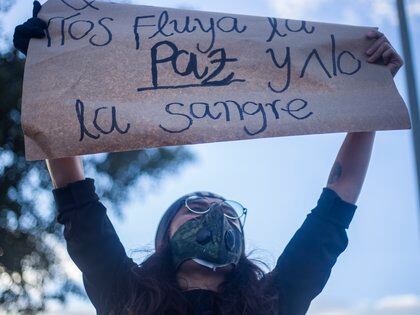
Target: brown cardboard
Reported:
[(95, 60)]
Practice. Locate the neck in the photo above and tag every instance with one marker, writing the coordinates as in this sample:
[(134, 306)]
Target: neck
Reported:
[(195, 276)]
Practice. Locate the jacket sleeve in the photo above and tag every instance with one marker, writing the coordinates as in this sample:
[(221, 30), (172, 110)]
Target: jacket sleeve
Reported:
[(92, 242), (302, 270)]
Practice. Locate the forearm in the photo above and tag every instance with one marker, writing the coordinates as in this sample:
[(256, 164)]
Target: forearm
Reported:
[(349, 170), (65, 170)]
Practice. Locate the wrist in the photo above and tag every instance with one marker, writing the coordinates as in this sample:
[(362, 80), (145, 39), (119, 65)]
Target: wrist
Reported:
[(65, 170), (362, 133)]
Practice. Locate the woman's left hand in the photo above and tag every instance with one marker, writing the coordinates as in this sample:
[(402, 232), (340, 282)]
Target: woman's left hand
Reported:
[(382, 49)]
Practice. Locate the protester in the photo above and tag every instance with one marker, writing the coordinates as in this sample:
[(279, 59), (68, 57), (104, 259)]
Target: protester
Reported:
[(199, 265)]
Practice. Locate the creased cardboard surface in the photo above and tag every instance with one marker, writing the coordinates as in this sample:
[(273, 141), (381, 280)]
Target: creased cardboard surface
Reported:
[(116, 77)]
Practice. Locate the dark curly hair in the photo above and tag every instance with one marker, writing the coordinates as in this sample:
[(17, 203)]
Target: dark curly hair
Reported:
[(153, 289)]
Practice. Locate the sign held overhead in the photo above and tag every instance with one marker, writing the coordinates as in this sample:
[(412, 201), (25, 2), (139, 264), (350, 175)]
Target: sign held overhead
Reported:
[(116, 77)]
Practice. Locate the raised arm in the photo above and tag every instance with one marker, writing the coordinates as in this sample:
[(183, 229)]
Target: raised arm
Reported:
[(92, 242), (350, 167), (304, 267)]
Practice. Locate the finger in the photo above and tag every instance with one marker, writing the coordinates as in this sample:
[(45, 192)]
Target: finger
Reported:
[(395, 63), (374, 34), (37, 32), (376, 45), (388, 55), (393, 68), (378, 52), (22, 30), (21, 44), (37, 22), (28, 30), (36, 9)]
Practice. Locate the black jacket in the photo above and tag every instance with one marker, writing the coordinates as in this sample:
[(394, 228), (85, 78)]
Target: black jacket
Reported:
[(304, 266)]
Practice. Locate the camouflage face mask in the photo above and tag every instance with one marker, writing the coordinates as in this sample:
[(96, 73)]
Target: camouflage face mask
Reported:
[(210, 240)]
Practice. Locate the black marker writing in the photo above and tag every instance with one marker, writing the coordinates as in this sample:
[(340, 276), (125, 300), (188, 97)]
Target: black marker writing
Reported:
[(287, 63), (63, 20), (290, 111), (137, 25), (313, 53), (79, 29), (228, 110), (100, 22), (80, 112), (274, 29), (86, 2), (336, 62), (90, 26), (169, 111), (276, 32), (314, 57), (166, 27), (340, 66), (205, 76), (303, 27)]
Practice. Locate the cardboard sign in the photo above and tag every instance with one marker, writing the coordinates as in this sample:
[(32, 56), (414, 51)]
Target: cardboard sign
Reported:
[(116, 77)]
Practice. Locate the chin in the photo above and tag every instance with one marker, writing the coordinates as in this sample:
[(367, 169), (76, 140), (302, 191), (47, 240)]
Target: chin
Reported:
[(192, 265)]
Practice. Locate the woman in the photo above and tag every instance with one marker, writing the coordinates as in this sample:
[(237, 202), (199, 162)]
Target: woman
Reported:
[(199, 265)]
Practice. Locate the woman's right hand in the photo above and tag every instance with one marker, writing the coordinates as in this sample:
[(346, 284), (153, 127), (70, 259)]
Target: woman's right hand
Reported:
[(32, 28)]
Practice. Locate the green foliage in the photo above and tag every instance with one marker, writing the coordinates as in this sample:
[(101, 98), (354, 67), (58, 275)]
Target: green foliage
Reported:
[(28, 226)]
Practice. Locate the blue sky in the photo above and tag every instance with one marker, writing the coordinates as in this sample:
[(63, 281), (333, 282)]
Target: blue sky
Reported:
[(280, 179)]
